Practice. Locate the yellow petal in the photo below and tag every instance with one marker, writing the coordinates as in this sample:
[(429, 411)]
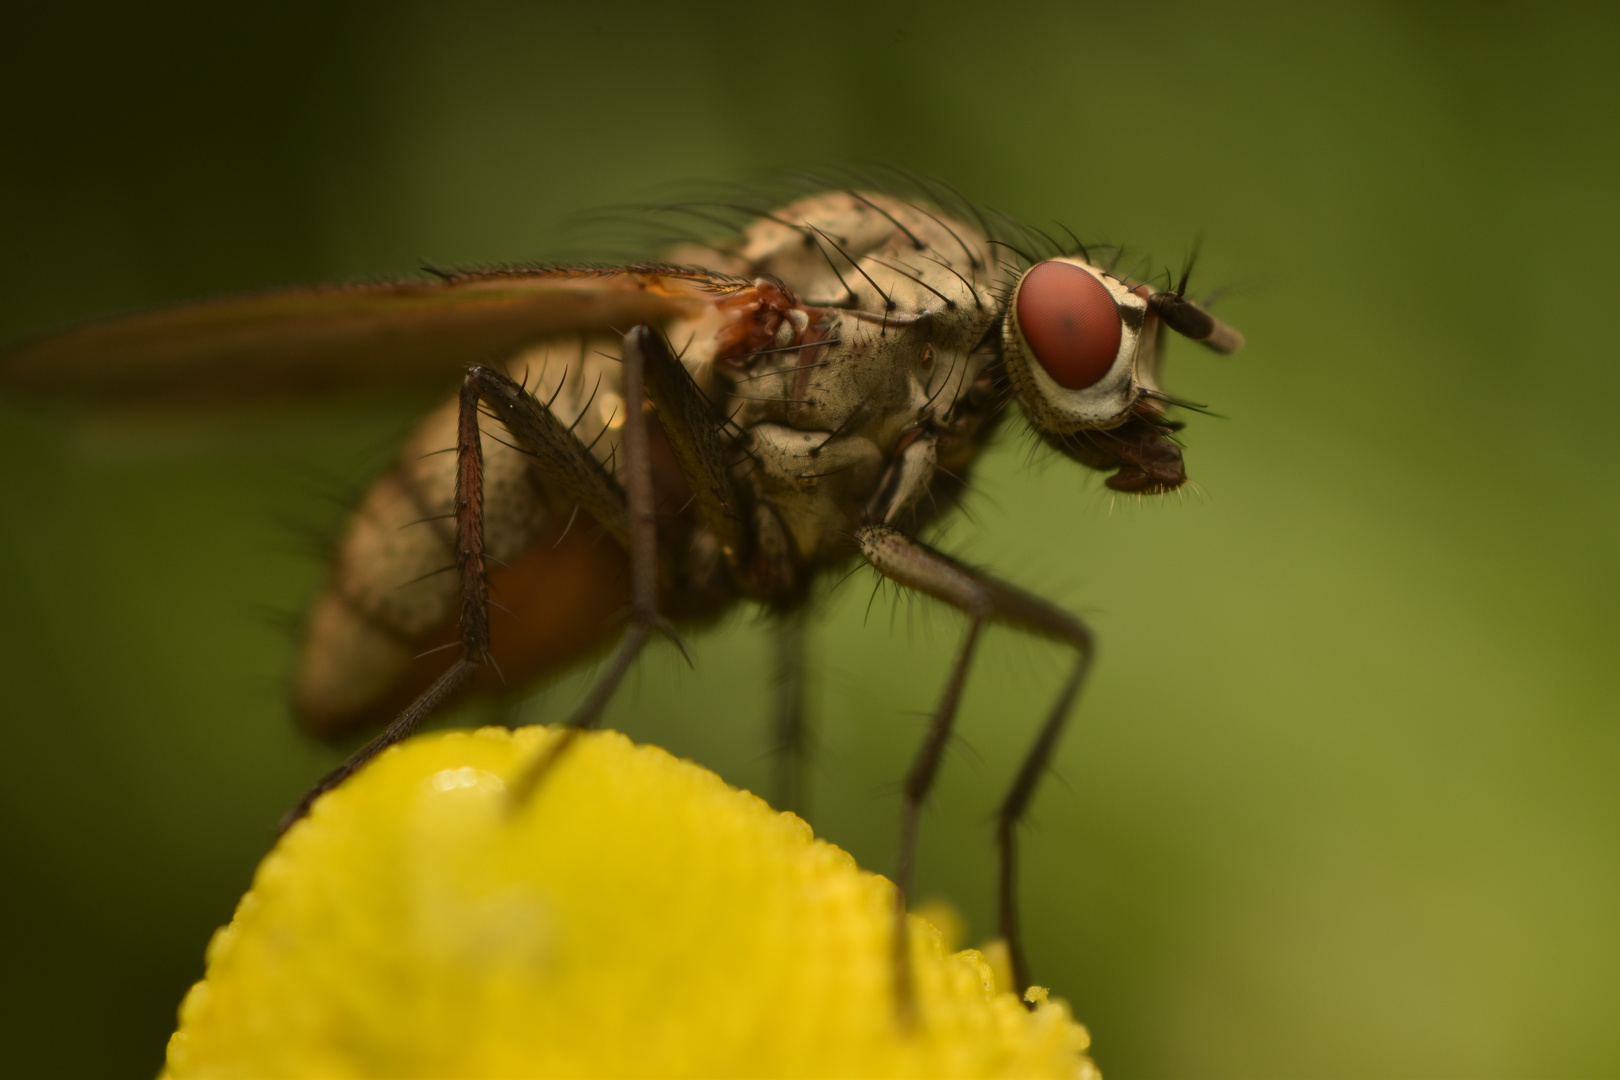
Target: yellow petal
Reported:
[(635, 917)]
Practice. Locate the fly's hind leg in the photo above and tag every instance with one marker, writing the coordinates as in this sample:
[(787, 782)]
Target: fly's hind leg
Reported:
[(623, 512), (983, 598), (469, 510)]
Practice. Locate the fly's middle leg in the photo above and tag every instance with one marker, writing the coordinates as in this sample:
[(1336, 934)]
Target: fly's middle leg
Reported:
[(651, 373), (640, 539)]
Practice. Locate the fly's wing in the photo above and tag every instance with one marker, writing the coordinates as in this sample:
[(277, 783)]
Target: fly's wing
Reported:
[(297, 341)]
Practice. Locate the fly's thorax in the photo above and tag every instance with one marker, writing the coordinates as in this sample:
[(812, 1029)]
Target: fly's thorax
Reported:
[(1080, 346), (812, 246), (814, 481), (891, 305), (892, 302), (854, 435)]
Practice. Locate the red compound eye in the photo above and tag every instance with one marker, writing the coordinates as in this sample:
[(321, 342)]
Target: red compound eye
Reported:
[(1070, 321)]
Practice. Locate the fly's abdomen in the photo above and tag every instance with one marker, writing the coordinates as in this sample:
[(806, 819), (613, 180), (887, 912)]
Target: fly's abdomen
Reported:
[(392, 596)]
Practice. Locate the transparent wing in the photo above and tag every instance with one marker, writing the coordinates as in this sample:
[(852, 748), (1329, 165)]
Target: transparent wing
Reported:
[(298, 341)]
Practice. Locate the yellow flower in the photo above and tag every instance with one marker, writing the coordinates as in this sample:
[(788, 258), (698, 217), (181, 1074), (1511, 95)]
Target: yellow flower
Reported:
[(634, 917)]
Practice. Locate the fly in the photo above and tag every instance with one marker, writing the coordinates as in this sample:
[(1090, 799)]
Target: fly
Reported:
[(671, 438)]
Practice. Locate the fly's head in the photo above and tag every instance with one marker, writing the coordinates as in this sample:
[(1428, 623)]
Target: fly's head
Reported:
[(1081, 348)]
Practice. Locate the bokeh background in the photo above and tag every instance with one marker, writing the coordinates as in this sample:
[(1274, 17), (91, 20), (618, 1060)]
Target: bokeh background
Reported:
[(1342, 798)]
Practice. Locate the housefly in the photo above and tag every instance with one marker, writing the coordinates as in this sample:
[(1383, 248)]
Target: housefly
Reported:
[(639, 448)]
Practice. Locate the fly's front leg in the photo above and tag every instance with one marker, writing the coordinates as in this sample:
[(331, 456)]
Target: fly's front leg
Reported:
[(917, 566), (919, 780)]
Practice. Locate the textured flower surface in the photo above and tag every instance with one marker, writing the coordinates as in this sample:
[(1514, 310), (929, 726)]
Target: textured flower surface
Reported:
[(635, 917)]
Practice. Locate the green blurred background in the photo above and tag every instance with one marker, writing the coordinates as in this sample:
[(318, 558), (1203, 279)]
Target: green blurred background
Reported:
[(1341, 800)]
